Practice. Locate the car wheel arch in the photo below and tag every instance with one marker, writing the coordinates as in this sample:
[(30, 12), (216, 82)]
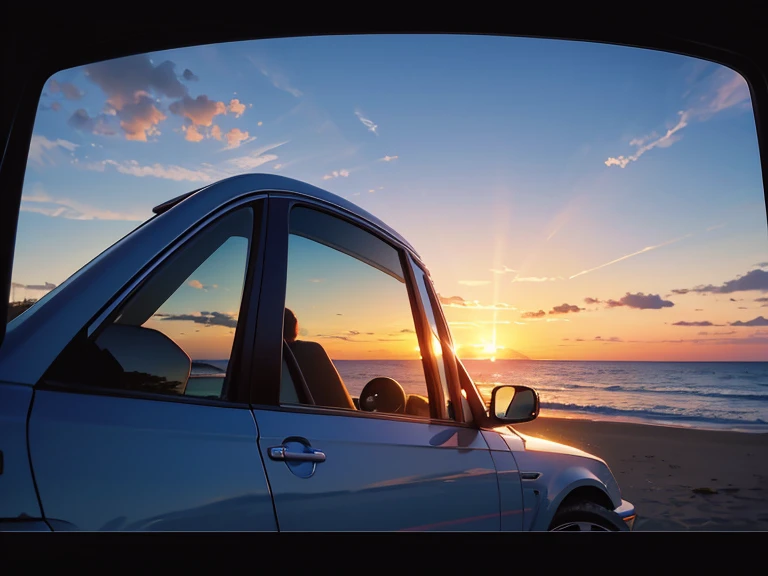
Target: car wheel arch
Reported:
[(583, 487)]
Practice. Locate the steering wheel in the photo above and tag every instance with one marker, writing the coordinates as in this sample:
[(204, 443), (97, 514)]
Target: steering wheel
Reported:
[(383, 395)]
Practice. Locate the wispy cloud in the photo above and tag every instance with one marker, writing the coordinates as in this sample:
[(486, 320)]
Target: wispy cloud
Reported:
[(336, 174), (565, 309), (157, 170), (257, 157), (278, 79), (367, 122), (459, 302), (532, 314), (533, 279), (388, 158), (44, 152), (731, 91), (644, 250), (697, 324), (41, 202), (503, 270)]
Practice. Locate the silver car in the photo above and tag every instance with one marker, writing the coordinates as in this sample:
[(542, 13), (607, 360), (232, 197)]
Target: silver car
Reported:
[(129, 402)]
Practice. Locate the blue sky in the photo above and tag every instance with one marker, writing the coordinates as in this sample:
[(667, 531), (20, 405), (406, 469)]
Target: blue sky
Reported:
[(554, 159)]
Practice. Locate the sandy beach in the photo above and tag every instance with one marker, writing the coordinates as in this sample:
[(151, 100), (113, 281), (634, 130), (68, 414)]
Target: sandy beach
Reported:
[(677, 478)]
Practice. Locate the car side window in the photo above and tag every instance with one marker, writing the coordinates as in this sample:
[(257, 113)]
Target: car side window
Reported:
[(174, 334), (349, 321)]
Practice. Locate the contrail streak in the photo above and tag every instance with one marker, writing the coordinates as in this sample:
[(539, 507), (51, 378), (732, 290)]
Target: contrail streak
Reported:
[(646, 249)]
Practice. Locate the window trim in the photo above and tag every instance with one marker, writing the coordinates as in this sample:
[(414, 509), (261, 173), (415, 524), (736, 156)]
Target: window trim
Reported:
[(267, 366), (240, 357), (446, 339)]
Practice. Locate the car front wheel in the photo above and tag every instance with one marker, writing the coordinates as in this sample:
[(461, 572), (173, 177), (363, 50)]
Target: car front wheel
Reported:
[(587, 517)]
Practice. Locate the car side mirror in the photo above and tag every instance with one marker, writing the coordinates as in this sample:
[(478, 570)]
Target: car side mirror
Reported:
[(146, 360), (514, 404)]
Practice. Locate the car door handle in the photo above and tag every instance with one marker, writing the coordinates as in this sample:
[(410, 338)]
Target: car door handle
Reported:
[(282, 453)]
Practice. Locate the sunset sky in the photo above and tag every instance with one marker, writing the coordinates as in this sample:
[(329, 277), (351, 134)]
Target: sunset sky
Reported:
[(572, 200)]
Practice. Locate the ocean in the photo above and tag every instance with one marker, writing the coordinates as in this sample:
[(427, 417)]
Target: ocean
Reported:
[(704, 395)]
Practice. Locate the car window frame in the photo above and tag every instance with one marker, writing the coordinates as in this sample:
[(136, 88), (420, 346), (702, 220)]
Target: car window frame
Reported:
[(446, 338), (268, 355), (238, 370)]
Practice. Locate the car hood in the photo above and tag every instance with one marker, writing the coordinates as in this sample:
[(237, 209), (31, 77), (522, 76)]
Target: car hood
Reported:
[(532, 444)]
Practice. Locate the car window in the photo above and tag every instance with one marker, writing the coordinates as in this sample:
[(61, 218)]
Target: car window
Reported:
[(175, 334), (349, 321)]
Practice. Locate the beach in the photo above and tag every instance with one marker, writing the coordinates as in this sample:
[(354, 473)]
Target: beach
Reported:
[(677, 478)]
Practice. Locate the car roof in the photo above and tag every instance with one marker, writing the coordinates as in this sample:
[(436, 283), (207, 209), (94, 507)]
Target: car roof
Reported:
[(248, 183)]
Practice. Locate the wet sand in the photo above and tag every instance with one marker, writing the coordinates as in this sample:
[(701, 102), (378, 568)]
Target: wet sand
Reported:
[(677, 478)]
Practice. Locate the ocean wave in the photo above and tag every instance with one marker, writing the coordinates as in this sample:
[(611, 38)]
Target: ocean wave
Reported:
[(646, 414), (659, 391)]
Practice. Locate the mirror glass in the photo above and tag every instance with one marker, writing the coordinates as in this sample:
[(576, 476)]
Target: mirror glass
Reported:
[(503, 401), (514, 403)]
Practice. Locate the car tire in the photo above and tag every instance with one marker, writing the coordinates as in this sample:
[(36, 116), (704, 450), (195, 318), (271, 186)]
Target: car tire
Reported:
[(587, 517)]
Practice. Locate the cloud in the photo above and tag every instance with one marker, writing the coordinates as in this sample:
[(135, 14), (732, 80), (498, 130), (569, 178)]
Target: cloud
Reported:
[(236, 137), (69, 90), (502, 270), (680, 291), (200, 286), (700, 324), (762, 265), (753, 280), (122, 79), (565, 309), (200, 111), (257, 157), (44, 152), (192, 134), (388, 158), (100, 124), (205, 318), (765, 299), (533, 279), (139, 119), (366, 122), (129, 84), (473, 282), (170, 172), (41, 202), (591, 300), (189, 75), (236, 107), (278, 79), (640, 301), (539, 314), (336, 174), (759, 321), (459, 302), (665, 141), (732, 90), (611, 339)]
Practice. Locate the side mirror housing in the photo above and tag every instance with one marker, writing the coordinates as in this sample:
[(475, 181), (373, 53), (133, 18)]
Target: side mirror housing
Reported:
[(514, 404), (144, 359)]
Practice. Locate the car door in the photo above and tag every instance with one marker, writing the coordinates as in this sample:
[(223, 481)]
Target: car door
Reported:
[(365, 431), (120, 436)]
